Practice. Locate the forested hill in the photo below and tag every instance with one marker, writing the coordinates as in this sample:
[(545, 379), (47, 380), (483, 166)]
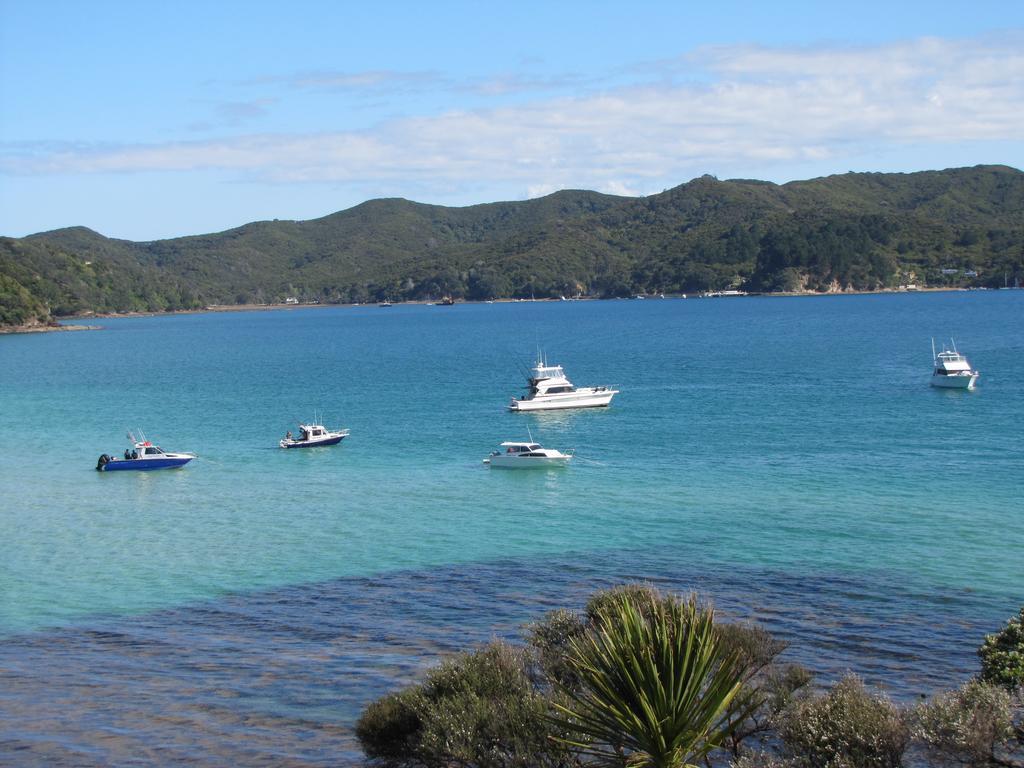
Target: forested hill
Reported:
[(857, 231)]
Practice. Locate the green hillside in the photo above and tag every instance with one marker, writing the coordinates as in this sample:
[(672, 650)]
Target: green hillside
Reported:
[(854, 231)]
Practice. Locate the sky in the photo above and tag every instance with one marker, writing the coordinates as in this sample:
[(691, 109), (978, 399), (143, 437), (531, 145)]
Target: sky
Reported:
[(146, 120)]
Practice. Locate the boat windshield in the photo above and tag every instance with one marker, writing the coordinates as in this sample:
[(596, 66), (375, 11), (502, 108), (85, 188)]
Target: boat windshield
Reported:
[(153, 451), (548, 372)]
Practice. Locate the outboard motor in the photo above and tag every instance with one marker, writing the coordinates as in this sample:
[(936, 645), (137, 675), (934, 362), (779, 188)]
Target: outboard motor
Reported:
[(103, 461)]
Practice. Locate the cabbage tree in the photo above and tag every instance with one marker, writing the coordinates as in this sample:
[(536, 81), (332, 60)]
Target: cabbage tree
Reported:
[(657, 687)]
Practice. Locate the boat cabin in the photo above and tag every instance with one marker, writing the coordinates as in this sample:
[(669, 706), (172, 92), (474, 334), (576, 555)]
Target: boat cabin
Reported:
[(520, 447), (549, 380), (311, 431), (949, 363), (143, 450), (523, 451)]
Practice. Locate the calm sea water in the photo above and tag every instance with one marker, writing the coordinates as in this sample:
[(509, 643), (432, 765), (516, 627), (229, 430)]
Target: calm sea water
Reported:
[(784, 456)]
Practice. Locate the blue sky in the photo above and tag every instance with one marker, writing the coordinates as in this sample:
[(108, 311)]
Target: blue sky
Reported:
[(145, 120)]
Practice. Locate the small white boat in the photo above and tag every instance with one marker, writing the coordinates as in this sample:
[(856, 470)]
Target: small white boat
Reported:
[(313, 436), (550, 389), (527, 456), (952, 371)]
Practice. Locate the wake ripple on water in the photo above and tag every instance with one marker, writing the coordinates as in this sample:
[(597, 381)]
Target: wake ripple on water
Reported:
[(279, 677)]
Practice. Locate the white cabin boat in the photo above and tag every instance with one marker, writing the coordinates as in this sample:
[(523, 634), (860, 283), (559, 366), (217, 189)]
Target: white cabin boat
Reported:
[(312, 436), (550, 389), (527, 456), (952, 371)]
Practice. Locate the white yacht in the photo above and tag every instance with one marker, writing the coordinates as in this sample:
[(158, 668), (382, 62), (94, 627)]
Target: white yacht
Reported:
[(527, 456), (551, 390), (952, 371)]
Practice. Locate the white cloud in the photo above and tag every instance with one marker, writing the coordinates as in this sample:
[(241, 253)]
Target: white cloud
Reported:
[(619, 188), (758, 107), (540, 190), (366, 81)]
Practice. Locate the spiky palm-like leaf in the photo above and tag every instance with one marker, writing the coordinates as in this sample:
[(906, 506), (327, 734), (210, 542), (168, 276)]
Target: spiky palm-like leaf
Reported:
[(658, 689)]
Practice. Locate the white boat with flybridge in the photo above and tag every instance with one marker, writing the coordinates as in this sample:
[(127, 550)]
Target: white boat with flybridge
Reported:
[(550, 389), (143, 455), (313, 436), (527, 456), (952, 370)]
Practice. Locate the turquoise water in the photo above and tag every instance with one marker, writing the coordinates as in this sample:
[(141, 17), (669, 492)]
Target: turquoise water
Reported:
[(797, 434), (784, 455)]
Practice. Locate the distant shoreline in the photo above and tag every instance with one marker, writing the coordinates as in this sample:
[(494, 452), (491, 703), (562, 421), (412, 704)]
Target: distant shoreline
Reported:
[(58, 326), (13, 329), (424, 302)]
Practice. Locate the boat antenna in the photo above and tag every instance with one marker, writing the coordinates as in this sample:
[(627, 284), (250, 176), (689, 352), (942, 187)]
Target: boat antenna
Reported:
[(529, 432), (953, 343), (524, 371), (933, 347)]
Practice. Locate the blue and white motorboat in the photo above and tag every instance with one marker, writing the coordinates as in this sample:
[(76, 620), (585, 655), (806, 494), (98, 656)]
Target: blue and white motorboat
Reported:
[(312, 436), (143, 455)]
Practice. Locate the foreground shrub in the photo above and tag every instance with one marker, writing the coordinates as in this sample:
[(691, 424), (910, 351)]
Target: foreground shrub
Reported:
[(389, 728), (479, 709), (656, 686), (550, 638), (764, 760), (770, 688), (1002, 655), (644, 597), (847, 727), (970, 726), (754, 647), (774, 691)]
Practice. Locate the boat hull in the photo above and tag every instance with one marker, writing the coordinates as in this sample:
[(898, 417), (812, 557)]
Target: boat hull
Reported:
[(143, 465), (520, 462), (958, 381), (333, 440), (595, 399)]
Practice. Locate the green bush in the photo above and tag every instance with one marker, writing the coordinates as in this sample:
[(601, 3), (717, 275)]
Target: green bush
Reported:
[(847, 727), (1002, 655), (642, 596), (753, 646), (478, 709), (550, 638), (773, 691), (967, 726), (763, 760), (389, 728)]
